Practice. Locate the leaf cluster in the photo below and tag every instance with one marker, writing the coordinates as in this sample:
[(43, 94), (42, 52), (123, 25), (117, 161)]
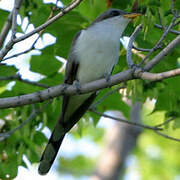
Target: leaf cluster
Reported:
[(30, 139)]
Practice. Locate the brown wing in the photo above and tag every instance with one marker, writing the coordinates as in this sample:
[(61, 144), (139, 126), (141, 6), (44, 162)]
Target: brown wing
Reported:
[(70, 73), (72, 63), (62, 127)]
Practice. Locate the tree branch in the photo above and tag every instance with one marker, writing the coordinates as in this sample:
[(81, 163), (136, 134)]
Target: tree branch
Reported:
[(19, 78), (5, 29), (7, 25), (34, 43), (130, 45), (32, 115), (157, 45), (171, 30), (166, 136), (94, 105), (10, 44), (160, 18), (126, 121), (141, 49), (159, 76), (23, 52), (163, 53), (17, 5), (9, 133), (166, 122), (62, 89), (119, 142)]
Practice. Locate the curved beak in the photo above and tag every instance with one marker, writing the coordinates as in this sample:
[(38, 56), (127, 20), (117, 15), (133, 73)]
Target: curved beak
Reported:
[(131, 15)]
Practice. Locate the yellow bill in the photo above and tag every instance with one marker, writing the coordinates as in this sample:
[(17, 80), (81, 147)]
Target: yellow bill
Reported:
[(132, 15)]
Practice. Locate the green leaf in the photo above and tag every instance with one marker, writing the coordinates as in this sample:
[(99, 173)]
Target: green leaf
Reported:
[(78, 165), (3, 14), (168, 99), (176, 124), (90, 9), (39, 138), (64, 30), (21, 88), (113, 102), (66, 2), (37, 12), (8, 169), (7, 70), (54, 79), (53, 112), (46, 63)]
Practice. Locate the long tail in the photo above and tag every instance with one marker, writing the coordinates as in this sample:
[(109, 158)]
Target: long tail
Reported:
[(51, 149), (59, 132)]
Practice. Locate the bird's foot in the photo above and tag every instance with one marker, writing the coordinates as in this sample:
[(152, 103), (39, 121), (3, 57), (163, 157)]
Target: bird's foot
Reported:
[(108, 79), (77, 85), (137, 69), (64, 87)]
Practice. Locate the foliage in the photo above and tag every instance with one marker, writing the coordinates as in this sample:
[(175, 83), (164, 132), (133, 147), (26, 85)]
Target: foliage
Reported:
[(30, 140)]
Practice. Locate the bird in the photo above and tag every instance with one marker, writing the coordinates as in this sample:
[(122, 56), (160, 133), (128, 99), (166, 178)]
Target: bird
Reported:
[(93, 54)]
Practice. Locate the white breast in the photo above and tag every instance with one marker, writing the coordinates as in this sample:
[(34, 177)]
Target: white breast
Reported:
[(97, 50)]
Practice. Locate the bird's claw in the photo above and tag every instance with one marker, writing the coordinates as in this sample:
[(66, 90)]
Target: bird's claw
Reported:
[(77, 85), (64, 87), (108, 79)]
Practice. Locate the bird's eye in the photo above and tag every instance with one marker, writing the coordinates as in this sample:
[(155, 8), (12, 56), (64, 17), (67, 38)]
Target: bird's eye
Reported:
[(115, 13)]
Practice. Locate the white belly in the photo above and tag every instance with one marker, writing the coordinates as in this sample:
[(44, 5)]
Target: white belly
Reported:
[(97, 55)]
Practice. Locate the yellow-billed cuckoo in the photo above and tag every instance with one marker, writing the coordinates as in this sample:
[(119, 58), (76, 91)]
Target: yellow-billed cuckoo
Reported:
[(94, 53)]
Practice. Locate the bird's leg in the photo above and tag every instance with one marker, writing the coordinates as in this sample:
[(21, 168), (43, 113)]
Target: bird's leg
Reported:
[(77, 85), (65, 86), (107, 76), (136, 69)]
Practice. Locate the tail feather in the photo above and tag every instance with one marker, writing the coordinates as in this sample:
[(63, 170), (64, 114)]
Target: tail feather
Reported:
[(51, 150), (62, 126)]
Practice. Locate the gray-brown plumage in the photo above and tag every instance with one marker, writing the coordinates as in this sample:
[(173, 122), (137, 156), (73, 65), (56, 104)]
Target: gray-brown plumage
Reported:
[(93, 54)]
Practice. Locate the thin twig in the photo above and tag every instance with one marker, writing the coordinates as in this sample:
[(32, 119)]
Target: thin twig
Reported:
[(34, 43), (163, 53), (7, 25), (141, 49), (126, 121), (158, 76), (23, 52), (172, 6), (9, 133), (19, 78), (167, 137), (100, 100), (32, 115), (158, 44), (5, 29), (160, 19), (177, 23), (32, 82), (173, 11), (166, 122), (171, 30), (14, 18), (130, 45), (10, 44), (27, 50)]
